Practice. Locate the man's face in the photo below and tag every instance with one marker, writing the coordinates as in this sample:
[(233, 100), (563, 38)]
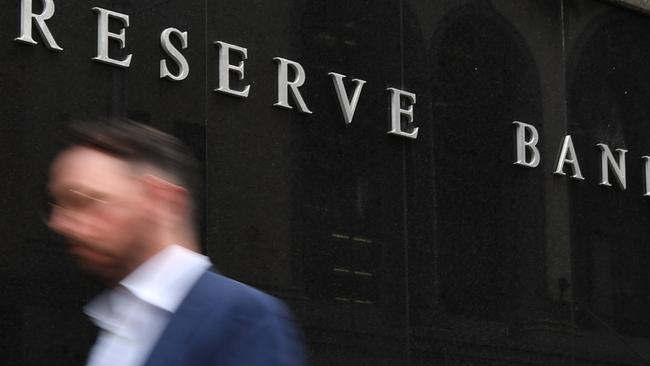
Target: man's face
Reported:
[(97, 205)]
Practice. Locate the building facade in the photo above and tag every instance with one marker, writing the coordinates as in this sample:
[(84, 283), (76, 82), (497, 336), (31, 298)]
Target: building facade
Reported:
[(424, 182)]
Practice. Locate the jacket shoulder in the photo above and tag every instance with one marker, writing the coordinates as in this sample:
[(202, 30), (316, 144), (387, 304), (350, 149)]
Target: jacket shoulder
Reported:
[(243, 326), (225, 322), (235, 298)]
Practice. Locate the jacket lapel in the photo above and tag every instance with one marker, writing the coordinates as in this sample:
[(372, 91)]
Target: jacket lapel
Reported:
[(174, 340)]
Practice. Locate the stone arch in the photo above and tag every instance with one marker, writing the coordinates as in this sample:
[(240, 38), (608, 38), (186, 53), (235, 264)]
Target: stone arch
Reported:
[(489, 215)]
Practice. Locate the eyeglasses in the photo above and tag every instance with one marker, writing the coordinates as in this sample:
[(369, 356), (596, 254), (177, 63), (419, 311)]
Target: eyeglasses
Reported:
[(75, 204)]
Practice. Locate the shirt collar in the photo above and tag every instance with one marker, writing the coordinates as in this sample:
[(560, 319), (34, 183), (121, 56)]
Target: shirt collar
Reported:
[(162, 281), (167, 277)]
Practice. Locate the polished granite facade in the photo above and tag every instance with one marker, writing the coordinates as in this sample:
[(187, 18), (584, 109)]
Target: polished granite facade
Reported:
[(391, 251)]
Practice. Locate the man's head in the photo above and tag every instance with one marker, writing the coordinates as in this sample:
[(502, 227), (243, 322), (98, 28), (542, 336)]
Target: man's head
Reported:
[(120, 193)]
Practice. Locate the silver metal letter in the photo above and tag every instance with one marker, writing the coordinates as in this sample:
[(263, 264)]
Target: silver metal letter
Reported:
[(225, 67), (568, 155), (646, 181), (103, 36), (396, 113), (607, 159), (179, 59), (26, 17), (347, 106), (523, 145), (284, 84)]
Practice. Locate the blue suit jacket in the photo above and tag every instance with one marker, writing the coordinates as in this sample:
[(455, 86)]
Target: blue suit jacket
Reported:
[(223, 322)]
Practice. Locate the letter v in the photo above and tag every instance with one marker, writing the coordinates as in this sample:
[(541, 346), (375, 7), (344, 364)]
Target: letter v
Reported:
[(347, 106)]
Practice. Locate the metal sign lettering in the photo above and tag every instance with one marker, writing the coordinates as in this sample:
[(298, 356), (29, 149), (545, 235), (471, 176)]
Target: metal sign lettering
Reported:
[(528, 155), (401, 101)]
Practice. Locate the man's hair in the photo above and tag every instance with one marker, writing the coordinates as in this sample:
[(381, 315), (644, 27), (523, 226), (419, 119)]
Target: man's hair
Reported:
[(139, 144)]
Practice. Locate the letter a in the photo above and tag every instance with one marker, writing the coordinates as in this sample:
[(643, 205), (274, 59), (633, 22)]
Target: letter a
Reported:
[(568, 156)]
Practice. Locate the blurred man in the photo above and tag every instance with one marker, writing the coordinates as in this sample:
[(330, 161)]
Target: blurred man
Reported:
[(121, 195)]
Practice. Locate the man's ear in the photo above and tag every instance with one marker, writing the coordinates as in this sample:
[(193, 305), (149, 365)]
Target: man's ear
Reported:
[(168, 201)]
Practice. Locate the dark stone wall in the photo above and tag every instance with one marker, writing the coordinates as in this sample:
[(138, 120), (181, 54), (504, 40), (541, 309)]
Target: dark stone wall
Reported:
[(390, 251)]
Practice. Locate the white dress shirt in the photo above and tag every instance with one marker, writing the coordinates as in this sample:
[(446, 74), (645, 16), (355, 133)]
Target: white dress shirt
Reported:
[(133, 315)]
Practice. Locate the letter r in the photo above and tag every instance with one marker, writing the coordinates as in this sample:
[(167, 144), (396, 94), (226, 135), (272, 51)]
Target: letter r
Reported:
[(26, 17)]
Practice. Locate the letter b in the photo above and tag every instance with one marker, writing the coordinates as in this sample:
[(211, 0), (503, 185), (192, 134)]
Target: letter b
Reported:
[(523, 146)]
